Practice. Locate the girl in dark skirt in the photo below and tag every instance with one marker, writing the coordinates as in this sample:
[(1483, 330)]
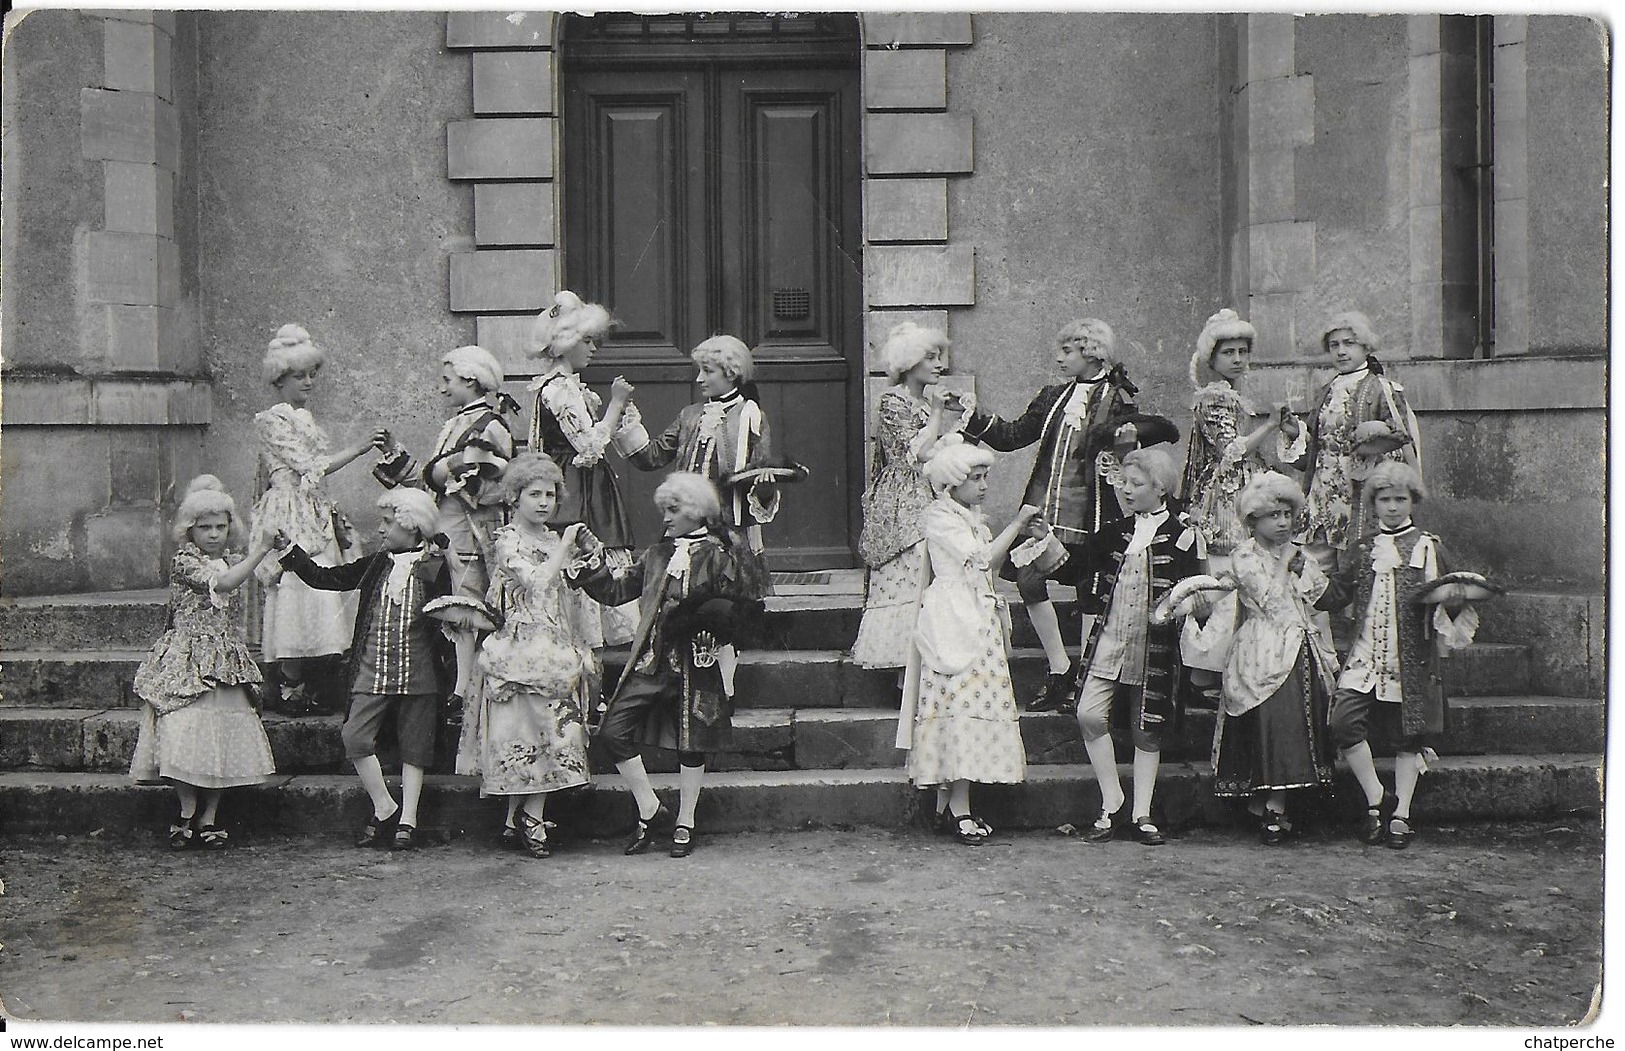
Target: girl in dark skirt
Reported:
[(1271, 730)]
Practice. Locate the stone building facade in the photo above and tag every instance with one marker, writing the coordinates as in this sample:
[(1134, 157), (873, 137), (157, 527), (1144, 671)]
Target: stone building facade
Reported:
[(177, 185)]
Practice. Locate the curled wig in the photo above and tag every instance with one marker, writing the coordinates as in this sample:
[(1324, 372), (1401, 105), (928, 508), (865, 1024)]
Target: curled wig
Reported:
[(1265, 492), (692, 492), (412, 508), (1157, 464), (567, 324), (907, 345), (527, 468), (204, 495), (1391, 474), (1097, 337), (953, 460), (1356, 323), (728, 353), (1226, 324), (477, 365), (291, 351)]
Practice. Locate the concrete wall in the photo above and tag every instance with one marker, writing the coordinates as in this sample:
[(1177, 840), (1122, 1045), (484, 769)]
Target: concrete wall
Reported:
[(1096, 194), (324, 201)]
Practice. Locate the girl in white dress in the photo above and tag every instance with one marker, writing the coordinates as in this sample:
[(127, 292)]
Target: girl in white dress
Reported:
[(199, 731), (959, 720), (301, 623)]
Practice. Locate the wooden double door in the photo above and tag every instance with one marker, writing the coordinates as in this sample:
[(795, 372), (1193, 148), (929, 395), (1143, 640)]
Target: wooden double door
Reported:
[(712, 187)]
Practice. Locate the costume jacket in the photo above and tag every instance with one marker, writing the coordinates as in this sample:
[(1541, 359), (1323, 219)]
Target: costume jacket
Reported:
[(1422, 558), (1072, 463), (367, 577), (1174, 555), (475, 444), (701, 721), (716, 437)]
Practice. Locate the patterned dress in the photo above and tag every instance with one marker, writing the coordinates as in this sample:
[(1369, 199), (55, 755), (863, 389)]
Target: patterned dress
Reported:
[(298, 621), (1334, 513), (1218, 465), (567, 427), (1271, 729), (525, 732), (197, 726), (893, 541), (959, 718)]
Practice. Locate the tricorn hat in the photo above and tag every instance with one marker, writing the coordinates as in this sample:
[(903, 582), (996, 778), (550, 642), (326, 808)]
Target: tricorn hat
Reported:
[(727, 617), (1456, 588)]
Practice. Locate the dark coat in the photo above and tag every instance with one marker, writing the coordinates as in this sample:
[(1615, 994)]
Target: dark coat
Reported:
[(1421, 679), (1065, 481), (702, 720), (1101, 559), (366, 576)]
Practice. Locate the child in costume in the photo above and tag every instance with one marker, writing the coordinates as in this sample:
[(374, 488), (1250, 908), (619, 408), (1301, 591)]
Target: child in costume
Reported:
[(1392, 687), (959, 720), (304, 631), (525, 734), (1223, 456), (1271, 730), (1131, 667), (566, 425), (1077, 424), (199, 730), (893, 539), (672, 693), (719, 438), (394, 667), (463, 473), (1360, 419)]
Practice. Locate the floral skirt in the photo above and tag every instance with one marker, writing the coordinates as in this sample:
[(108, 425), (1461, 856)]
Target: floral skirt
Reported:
[(891, 608), (966, 726), (217, 741), (524, 745), (1280, 744)]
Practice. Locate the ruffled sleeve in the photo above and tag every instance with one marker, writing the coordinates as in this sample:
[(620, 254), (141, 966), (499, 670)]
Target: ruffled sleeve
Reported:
[(567, 400), (1218, 416), (192, 570)]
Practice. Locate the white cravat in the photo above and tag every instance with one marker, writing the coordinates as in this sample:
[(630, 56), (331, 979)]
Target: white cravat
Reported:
[(400, 573), (1082, 390), (1146, 524), (678, 567)]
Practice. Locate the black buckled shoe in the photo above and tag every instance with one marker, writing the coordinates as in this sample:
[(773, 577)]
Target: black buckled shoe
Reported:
[(378, 831), (1104, 826), (682, 841), (1147, 834), (1057, 693), (644, 834), (1400, 833)]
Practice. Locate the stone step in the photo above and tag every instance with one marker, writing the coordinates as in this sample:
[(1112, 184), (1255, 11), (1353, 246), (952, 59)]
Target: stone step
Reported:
[(92, 621), (1564, 632), (1456, 789), (102, 740), (798, 678)]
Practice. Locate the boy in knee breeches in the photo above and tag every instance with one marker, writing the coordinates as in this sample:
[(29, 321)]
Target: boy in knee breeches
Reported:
[(394, 663), (1391, 688), (673, 693), (1129, 663)]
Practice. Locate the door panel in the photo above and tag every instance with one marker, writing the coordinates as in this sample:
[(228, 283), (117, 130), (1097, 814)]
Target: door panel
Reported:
[(713, 197)]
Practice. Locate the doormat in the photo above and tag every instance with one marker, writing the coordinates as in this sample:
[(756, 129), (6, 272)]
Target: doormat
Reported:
[(801, 578)]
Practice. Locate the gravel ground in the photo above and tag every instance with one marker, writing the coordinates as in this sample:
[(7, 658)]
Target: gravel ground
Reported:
[(1471, 926)]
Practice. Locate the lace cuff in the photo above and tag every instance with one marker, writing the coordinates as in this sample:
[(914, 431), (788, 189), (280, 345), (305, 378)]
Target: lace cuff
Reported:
[(1294, 450), (632, 438)]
